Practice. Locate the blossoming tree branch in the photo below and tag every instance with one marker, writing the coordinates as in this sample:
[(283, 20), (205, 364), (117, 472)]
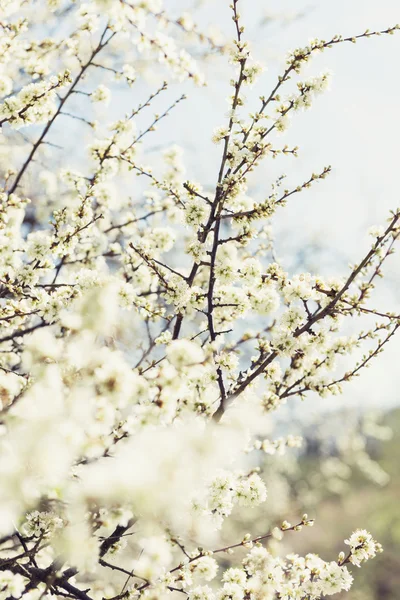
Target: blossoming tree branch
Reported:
[(134, 396)]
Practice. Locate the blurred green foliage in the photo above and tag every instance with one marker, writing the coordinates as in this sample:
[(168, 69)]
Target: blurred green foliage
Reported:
[(367, 506)]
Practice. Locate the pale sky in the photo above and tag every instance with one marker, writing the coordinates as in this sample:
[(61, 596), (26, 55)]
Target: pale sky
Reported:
[(355, 127)]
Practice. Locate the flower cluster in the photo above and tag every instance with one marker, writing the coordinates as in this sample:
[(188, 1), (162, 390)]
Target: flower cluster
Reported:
[(35, 103), (362, 547)]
